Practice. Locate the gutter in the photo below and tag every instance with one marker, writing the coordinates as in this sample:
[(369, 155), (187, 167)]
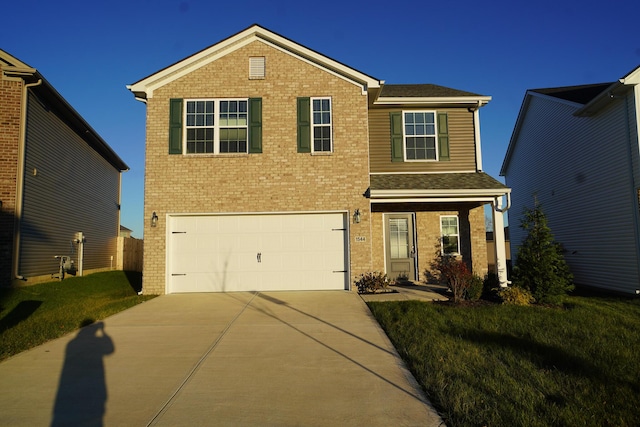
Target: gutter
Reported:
[(20, 177)]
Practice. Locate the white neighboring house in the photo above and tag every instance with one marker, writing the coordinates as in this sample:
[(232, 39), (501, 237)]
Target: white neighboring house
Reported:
[(576, 150)]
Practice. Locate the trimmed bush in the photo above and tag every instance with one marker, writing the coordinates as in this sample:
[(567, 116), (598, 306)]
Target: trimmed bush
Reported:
[(371, 282), (516, 296)]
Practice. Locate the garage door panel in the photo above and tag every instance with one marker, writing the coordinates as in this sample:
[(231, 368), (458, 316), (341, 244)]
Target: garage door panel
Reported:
[(257, 252)]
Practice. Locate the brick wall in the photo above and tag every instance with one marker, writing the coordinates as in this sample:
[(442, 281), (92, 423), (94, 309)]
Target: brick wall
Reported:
[(277, 180), (10, 98)]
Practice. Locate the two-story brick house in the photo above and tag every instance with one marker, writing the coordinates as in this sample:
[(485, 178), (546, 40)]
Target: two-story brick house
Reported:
[(270, 166)]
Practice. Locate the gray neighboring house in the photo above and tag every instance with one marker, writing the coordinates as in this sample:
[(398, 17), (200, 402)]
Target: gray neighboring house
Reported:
[(576, 150), (58, 178)]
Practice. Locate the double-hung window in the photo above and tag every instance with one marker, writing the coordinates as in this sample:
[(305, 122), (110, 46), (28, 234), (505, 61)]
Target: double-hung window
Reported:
[(420, 135), (216, 126), (450, 235), (321, 124)]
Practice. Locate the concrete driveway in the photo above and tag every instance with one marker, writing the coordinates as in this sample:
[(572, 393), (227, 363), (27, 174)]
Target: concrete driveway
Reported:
[(275, 358)]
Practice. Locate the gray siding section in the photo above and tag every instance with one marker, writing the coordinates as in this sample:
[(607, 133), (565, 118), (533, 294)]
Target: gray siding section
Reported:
[(68, 188), (582, 171)]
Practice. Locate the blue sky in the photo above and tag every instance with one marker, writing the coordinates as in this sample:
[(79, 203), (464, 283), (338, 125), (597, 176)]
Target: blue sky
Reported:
[(90, 50)]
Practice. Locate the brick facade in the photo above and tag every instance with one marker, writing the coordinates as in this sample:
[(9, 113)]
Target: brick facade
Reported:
[(11, 96), (279, 179)]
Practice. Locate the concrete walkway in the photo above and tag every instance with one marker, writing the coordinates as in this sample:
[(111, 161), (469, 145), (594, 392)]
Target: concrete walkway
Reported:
[(241, 359)]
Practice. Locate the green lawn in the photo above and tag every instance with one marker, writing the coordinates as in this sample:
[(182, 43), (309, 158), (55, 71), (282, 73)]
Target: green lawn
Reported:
[(499, 365), (32, 315)]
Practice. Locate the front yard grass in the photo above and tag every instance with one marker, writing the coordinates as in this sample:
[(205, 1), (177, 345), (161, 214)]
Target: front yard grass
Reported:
[(32, 315), (500, 365)]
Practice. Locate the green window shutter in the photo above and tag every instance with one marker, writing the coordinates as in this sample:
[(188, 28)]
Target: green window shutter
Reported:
[(255, 125), (175, 126), (304, 125), (443, 137), (397, 138)]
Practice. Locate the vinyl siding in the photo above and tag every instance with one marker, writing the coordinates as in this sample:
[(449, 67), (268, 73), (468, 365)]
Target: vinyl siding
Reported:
[(580, 171), (461, 143), (68, 188)]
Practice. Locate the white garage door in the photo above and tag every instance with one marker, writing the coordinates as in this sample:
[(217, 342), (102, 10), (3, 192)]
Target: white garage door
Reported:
[(218, 253)]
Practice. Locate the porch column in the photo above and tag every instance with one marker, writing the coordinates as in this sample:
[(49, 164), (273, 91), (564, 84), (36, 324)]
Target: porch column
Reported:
[(498, 237)]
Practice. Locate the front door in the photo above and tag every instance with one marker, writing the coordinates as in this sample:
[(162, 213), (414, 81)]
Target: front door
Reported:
[(400, 246)]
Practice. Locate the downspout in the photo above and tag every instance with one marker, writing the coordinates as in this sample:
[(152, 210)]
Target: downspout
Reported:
[(476, 129), (20, 176)]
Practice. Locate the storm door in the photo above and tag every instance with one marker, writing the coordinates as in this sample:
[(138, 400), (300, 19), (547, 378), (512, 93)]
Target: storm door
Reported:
[(400, 250)]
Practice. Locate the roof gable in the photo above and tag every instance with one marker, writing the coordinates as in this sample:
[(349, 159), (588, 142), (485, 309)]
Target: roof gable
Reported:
[(579, 94), (587, 99), (143, 89)]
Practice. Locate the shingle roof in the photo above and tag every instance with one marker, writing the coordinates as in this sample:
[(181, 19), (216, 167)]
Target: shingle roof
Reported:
[(582, 94), (421, 91), (440, 181)]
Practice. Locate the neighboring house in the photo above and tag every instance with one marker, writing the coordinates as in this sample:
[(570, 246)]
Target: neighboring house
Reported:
[(270, 166), (125, 232), (59, 181), (574, 150)]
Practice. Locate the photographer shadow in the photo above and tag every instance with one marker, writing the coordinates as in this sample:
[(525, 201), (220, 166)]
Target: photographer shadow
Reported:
[(82, 390)]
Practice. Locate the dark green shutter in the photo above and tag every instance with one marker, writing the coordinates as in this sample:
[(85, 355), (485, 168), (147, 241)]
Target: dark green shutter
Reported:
[(175, 126), (255, 125), (443, 137), (304, 125), (397, 149)]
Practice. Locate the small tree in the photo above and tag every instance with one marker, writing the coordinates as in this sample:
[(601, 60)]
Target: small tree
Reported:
[(540, 266)]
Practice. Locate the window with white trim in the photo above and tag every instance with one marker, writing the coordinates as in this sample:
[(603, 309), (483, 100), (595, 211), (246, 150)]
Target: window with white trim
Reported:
[(216, 126), (420, 135), (450, 235), (321, 124)]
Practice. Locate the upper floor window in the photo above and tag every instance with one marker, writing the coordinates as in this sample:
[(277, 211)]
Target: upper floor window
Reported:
[(314, 125), (450, 235), (216, 126), (420, 135), (321, 124)]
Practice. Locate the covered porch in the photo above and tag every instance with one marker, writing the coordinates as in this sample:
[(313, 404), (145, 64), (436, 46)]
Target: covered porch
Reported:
[(417, 216)]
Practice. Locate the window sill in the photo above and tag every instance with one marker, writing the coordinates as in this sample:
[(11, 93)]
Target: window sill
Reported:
[(322, 153), (203, 155)]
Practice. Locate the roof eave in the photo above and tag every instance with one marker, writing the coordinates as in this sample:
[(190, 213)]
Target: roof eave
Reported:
[(18, 69), (440, 194), (469, 101)]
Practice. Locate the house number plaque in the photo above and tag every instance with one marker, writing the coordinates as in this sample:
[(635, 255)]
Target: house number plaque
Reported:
[(361, 239)]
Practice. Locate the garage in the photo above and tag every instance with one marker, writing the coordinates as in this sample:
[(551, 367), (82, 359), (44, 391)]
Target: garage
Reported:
[(257, 252)]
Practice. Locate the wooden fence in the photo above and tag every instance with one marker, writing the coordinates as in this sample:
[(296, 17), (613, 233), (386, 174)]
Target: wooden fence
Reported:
[(130, 254)]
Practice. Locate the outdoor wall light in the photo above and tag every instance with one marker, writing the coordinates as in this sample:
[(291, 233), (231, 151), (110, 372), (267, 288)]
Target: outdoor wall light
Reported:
[(356, 216), (154, 219)]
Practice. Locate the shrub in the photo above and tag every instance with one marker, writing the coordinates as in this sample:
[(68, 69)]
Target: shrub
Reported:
[(454, 273), (371, 282), (475, 288), (516, 296), (540, 266)]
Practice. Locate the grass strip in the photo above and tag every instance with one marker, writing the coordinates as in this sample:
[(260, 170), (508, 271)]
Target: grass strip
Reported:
[(33, 315), (496, 365)]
